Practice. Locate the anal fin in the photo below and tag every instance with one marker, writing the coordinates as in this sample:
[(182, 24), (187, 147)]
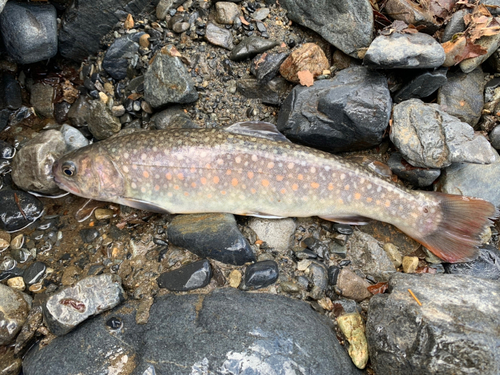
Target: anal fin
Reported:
[(352, 220)]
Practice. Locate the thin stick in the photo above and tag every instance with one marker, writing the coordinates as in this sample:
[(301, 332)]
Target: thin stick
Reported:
[(415, 297)]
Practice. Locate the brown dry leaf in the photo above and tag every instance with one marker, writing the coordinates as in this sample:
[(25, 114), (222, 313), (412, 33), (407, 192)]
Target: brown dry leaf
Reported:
[(471, 50), (378, 288), (306, 78), (244, 21), (442, 8)]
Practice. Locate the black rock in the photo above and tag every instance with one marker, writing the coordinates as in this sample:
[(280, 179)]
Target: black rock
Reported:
[(455, 25), (85, 22), (318, 275), (348, 25), (266, 66), (34, 273), (486, 266), (317, 246), (423, 85), (261, 274), (458, 314), (192, 276), (333, 274), (418, 177), (10, 92), (201, 333), (343, 228), (349, 112), (14, 272), (89, 234), (495, 137), (29, 31), (61, 112), (118, 56), (4, 118), (251, 46), (213, 236), (271, 93), (18, 209)]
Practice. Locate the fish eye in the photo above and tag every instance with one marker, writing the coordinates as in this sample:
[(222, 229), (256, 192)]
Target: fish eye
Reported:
[(69, 169)]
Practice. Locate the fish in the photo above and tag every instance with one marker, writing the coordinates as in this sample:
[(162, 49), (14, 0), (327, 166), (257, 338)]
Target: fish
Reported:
[(251, 169)]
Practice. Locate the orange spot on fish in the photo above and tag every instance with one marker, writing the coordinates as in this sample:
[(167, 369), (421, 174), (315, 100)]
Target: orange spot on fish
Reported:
[(143, 189), (223, 192), (186, 193), (209, 196), (295, 187), (314, 185), (180, 176), (203, 180), (157, 187), (208, 166), (265, 183), (330, 186), (290, 165), (237, 159), (228, 172), (253, 191), (176, 187), (279, 177), (357, 196), (250, 174), (377, 202), (192, 170), (340, 201), (387, 203), (270, 165), (283, 191), (234, 181), (346, 187), (300, 177), (369, 199), (193, 184), (145, 174), (169, 194), (216, 179), (168, 176)]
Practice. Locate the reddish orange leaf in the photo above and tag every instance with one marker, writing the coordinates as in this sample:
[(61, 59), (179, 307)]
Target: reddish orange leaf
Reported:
[(378, 288), (305, 78)]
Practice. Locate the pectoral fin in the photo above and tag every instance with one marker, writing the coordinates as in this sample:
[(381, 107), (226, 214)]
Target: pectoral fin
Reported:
[(352, 220), (141, 205)]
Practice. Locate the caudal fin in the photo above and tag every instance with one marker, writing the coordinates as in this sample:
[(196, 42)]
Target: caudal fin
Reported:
[(463, 220)]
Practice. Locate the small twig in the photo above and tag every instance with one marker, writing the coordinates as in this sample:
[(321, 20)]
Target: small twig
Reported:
[(415, 297), (16, 199)]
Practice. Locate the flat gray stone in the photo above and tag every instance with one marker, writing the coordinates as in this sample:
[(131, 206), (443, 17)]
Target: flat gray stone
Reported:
[(454, 331), (427, 136), (167, 81), (224, 332), (348, 112), (404, 51), (219, 36), (251, 46), (29, 31), (64, 310), (347, 24), (276, 233), (101, 122), (41, 98)]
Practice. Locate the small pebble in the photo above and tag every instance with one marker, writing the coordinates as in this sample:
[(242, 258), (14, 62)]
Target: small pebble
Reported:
[(235, 278), (290, 287), (17, 242), (326, 303), (394, 254), (16, 283), (261, 274), (103, 214), (144, 40), (303, 264), (353, 328), (410, 264)]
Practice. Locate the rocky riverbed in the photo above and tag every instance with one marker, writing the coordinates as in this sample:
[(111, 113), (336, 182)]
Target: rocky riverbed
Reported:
[(410, 90)]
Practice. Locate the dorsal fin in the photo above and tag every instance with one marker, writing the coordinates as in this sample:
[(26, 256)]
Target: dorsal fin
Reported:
[(258, 129)]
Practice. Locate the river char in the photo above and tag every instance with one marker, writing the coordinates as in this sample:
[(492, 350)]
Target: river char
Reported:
[(252, 169)]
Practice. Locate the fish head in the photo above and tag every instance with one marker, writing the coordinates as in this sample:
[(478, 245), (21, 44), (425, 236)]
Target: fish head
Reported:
[(89, 173)]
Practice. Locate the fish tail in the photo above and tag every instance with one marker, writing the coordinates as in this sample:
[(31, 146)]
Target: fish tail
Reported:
[(463, 219)]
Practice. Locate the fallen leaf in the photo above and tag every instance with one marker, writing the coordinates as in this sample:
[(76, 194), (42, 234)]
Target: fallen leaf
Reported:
[(244, 21), (305, 78), (378, 288)]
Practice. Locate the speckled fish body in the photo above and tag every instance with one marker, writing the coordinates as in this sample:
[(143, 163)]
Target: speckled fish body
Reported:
[(209, 170)]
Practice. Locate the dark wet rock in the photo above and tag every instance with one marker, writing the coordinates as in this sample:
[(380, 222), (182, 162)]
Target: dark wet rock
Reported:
[(271, 93), (11, 273), (462, 95), (368, 255), (101, 122), (165, 5), (85, 22), (6, 150), (486, 266), (167, 80), (73, 138), (173, 117), (222, 332), (11, 204), (318, 247), (117, 58), (195, 275), (219, 36), (10, 92), (455, 25), (226, 12), (495, 137), (423, 85), (318, 274), (276, 233), (349, 112), (61, 112), (352, 286), (412, 14), (474, 180), (458, 315), (404, 51), (333, 274), (261, 274), (4, 118), (32, 165), (34, 273), (214, 236), (266, 66), (347, 25), (29, 31), (42, 99), (93, 295), (79, 112), (427, 136), (88, 235), (9, 363), (418, 177), (250, 47), (14, 306), (308, 57)]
